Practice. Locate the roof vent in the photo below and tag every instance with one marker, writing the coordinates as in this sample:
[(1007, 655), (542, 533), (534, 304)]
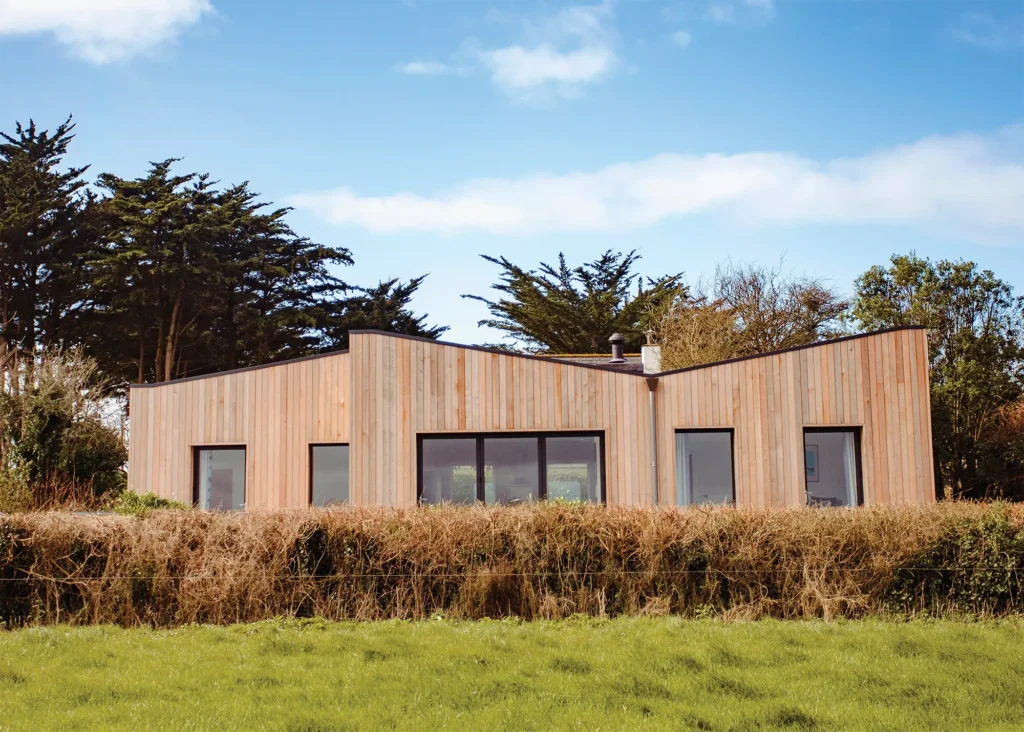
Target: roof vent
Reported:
[(618, 341)]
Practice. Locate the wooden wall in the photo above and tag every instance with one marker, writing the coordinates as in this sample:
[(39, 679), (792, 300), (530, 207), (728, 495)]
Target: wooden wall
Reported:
[(877, 382), (404, 387), (386, 390), (275, 411)]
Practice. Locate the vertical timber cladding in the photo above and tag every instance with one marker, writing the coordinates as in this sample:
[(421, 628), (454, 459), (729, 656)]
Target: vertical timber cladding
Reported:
[(877, 382), (274, 411), (403, 387)]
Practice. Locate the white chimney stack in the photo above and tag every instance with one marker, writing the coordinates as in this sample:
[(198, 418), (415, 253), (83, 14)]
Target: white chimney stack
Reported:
[(650, 354)]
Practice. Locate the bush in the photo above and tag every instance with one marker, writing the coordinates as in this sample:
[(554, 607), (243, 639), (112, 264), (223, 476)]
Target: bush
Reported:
[(56, 445), (176, 567), (130, 503)]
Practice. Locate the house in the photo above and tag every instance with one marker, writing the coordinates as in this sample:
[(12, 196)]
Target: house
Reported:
[(397, 421)]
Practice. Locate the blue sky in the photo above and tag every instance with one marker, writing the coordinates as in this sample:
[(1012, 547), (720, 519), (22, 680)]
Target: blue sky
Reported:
[(421, 134)]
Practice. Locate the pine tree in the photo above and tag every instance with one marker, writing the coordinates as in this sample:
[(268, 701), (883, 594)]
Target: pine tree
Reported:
[(43, 213), (575, 310), (383, 307)]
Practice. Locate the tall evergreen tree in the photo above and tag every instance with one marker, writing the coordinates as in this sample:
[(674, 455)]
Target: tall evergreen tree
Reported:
[(576, 309), (43, 235), (387, 307)]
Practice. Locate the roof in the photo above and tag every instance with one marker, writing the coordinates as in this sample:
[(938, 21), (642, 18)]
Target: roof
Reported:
[(634, 363), (582, 361)]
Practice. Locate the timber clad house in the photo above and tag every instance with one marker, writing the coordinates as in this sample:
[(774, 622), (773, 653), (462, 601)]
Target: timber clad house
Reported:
[(397, 421)]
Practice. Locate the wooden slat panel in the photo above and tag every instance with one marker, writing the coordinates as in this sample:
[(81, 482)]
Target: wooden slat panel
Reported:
[(387, 390)]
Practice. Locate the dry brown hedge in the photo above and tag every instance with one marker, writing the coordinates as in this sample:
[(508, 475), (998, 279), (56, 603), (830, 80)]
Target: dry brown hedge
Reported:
[(546, 561)]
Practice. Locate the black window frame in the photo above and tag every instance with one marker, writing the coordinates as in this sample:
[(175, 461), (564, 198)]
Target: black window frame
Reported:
[(309, 469), (196, 449), (542, 457), (857, 431), (732, 458)]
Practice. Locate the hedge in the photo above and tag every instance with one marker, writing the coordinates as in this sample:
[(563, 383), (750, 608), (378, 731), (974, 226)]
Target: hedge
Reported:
[(546, 561)]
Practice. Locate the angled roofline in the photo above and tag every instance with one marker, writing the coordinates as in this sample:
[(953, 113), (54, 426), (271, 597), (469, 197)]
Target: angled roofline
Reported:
[(780, 351), (546, 359), (311, 357), (498, 351)]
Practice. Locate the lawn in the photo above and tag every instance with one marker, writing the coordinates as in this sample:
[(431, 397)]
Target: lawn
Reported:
[(630, 673)]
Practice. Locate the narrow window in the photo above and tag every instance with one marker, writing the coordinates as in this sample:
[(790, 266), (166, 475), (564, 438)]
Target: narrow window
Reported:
[(574, 468), (832, 467), (511, 470), (704, 467), (328, 473), (448, 469), (219, 481)]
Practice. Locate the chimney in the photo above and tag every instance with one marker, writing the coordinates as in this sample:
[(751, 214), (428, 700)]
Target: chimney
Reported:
[(650, 354), (617, 340)]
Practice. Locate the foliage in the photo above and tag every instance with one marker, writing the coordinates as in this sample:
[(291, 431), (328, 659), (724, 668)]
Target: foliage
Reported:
[(43, 225), (167, 274), (542, 561), (625, 674), (976, 343), (52, 427), (385, 307), (130, 503), (748, 309), (564, 309)]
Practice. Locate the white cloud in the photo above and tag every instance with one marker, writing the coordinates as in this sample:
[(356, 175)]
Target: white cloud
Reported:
[(965, 184), (721, 14), (557, 55), (516, 68), (982, 29), (682, 38), (424, 68), (102, 31)]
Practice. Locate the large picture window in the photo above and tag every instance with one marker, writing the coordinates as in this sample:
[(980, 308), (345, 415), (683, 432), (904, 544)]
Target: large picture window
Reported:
[(328, 474), (704, 472), (219, 480), (832, 467), (504, 469)]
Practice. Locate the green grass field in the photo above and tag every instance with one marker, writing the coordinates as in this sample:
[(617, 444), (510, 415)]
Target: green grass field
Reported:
[(625, 674)]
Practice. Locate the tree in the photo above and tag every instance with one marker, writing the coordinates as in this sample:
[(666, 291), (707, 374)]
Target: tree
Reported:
[(273, 286), (202, 280), (748, 309), (42, 237), (976, 349), (384, 307), (576, 310)]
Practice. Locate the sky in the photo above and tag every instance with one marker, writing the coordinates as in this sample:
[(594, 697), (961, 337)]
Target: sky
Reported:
[(422, 134)]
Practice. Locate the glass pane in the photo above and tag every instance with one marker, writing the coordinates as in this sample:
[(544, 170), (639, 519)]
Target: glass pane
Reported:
[(573, 468), (449, 471), (830, 462), (703, 468), (222, 479), (511, 470), (330, 474)]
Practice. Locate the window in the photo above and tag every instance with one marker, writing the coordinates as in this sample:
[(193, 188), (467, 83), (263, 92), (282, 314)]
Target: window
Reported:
[(448, 471), (219, 480), (704, 467), (832, 467), (574, 468), (328, 474), (511, 468)]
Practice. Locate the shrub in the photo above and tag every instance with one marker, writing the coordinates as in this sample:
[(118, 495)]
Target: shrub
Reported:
[(544, 561), (130, 503), (52, 428)]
